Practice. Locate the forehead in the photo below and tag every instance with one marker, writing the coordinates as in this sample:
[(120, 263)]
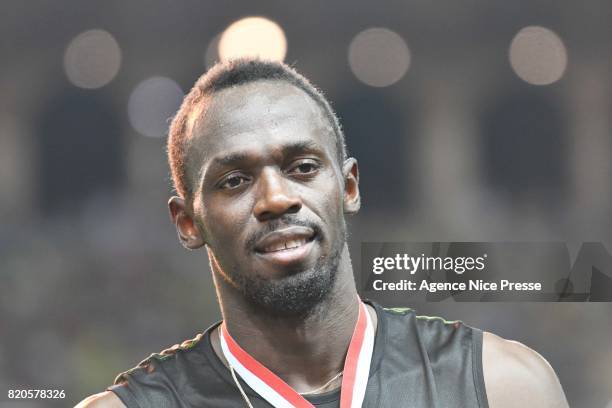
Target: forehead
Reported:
[(259, 116)]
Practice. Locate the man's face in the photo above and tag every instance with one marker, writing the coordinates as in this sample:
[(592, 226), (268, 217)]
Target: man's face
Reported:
[(269, 194)]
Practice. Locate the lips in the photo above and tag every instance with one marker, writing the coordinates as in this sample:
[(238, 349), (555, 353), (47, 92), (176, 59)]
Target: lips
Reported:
[(285, 239), (286, 246)]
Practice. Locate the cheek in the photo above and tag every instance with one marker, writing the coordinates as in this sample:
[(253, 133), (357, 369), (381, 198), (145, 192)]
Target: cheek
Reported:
[(330, 196), (225, 221)]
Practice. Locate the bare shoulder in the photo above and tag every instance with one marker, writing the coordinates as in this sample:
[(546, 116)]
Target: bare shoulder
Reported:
[(517, 376), (106, 399)]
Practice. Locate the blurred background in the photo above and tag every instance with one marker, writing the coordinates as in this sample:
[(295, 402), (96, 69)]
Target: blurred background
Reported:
[(471, 121)]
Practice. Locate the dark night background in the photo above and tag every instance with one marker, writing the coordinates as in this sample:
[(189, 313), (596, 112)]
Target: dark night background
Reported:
[(459, 136)]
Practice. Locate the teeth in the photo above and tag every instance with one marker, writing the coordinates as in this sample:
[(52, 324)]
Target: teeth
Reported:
[(285, 245)]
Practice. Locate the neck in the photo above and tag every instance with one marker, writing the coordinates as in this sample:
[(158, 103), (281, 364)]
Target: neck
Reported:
[(304, 351)]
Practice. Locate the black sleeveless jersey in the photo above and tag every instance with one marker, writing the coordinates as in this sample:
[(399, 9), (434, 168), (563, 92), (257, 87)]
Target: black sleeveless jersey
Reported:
[(418, 362)]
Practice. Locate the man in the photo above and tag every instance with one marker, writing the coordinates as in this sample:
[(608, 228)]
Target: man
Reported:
[(263, 180)]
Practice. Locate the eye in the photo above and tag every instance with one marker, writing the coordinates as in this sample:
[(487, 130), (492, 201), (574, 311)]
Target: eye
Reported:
[(305, 167), (232, 181)]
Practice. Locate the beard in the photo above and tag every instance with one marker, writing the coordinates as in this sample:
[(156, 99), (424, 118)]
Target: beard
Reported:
[(297, 294)]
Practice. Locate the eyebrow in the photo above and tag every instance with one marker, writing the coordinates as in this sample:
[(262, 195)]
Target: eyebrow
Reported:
[(289, 149), (229, 159)]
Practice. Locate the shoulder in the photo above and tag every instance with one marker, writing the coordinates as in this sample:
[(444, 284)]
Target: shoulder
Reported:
[(431, 335), (517, 376), (150, 367), (106, 399), (432, 327), (434, 332), (151, 380)]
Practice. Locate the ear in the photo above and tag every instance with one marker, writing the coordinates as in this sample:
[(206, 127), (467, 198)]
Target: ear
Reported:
[(352, 199), (188, 233)]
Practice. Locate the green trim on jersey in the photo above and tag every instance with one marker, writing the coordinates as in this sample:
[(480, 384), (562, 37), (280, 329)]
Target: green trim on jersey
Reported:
[(397, 310), (405, 310), (437, 318)]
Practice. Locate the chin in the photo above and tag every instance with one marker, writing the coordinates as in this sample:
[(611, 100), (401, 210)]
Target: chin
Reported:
[(295, 294)]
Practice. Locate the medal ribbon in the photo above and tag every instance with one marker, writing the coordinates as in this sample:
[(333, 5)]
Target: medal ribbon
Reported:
[(278, 393)]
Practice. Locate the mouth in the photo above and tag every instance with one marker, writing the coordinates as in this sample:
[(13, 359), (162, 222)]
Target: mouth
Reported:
[(286, 246)]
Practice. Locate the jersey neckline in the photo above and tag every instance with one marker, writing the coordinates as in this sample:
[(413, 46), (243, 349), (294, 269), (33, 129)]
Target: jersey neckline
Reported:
[(318, 399)]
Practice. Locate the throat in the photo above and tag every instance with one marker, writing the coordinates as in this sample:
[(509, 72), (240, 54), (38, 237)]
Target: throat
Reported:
[(309, 357)]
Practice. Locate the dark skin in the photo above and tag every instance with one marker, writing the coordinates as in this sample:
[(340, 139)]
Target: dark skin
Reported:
[(284, 163)]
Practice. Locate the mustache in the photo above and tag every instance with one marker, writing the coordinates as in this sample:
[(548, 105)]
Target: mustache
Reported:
[(285, 221)]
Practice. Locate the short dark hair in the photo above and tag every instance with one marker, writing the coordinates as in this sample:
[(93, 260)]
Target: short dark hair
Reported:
[(229, 74)]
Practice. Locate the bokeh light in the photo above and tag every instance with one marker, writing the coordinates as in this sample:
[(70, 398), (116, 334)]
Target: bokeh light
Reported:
[(538, 55), (253, 37), (379, 57), (92, 59), (211, 56), (152, 104)]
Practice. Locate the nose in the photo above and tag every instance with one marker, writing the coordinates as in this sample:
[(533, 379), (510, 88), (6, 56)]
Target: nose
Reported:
[(275, 197)]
